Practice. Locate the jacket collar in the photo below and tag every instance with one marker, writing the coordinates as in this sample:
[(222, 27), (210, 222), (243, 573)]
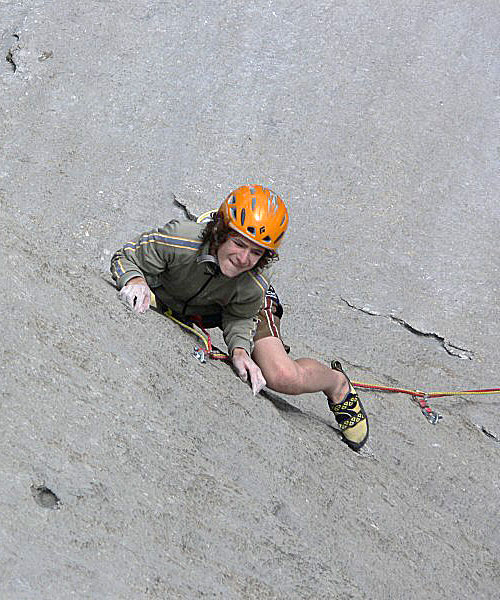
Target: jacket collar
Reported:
[(209, 260)]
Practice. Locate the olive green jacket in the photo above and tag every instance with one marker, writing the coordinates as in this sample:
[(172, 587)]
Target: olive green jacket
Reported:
[(186, 278)]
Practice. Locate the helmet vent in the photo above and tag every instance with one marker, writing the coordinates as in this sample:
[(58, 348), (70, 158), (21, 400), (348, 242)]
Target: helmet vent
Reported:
[(257, 213), (272, 205)]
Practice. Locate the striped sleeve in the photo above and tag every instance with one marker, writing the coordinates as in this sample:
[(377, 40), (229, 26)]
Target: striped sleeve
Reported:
[(150, 254)]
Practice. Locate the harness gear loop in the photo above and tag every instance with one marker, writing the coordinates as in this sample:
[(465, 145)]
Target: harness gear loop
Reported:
[(199, 353)]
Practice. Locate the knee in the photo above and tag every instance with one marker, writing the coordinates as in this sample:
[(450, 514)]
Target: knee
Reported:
[(282, 377)]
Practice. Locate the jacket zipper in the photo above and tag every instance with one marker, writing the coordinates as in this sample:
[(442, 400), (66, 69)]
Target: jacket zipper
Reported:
[(197, 293)]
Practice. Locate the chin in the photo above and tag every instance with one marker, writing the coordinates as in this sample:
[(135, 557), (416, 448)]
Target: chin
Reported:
[(230, 270)]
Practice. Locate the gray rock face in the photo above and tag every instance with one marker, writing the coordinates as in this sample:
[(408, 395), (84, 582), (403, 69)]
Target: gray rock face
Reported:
[(130, 470)]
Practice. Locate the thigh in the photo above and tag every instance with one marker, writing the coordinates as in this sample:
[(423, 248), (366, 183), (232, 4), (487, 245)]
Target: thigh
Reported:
[(271, 356)]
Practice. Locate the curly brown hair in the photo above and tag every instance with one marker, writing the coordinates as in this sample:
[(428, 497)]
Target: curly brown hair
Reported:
[(216, 233)]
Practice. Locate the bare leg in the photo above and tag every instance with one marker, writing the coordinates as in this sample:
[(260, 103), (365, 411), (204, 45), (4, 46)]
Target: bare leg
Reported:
[(282, 374), (301, 376)]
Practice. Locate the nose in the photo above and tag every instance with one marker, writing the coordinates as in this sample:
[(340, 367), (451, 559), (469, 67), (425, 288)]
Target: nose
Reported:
[(244, 255)]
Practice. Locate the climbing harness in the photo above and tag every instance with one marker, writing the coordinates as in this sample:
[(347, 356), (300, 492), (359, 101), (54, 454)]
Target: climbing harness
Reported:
[(207, 349)]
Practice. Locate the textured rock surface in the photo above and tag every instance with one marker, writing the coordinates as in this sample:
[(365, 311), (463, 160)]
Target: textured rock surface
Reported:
[(128, 469)]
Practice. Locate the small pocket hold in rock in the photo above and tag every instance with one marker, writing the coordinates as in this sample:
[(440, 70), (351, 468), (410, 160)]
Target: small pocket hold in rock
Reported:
[(45, 497)]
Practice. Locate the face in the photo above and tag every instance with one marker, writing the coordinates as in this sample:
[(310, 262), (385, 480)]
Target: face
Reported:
[(237, 255)]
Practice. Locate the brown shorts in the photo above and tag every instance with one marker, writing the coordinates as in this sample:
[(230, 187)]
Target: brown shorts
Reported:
[(269, 319), (269, 322)]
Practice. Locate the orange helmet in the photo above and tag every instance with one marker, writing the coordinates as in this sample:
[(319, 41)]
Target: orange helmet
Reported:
[(256, 213)]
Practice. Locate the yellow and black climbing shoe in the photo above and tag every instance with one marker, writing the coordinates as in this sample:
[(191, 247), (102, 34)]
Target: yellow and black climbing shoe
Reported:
[(350, 415)]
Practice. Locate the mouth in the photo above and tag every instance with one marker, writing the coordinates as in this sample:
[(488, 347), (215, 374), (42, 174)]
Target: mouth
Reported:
[(235, 265)]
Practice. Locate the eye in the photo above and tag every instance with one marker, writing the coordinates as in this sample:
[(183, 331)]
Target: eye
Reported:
[(256, 252)]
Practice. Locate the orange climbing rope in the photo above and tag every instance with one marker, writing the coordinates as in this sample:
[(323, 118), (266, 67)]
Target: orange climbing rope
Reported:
[(420, 394)]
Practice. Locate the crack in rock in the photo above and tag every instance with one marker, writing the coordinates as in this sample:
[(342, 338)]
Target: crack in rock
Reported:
[(11, 53), (45, 55), (191, 216), (451, 349), (488, 433)]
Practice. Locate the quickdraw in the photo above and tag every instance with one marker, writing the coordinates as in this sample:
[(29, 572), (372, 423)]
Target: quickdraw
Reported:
[(431, 415)]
